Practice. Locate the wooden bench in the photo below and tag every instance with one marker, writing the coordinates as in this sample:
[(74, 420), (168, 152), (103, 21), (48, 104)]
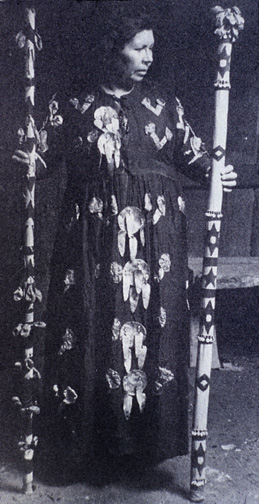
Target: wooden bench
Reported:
[(233, 273)]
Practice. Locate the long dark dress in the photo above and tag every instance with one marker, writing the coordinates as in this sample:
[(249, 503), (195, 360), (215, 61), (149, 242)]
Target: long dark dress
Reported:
[(117, 346)]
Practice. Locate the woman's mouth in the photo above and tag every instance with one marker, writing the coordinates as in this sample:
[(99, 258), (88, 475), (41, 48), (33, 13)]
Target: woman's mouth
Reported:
[(142, 72)]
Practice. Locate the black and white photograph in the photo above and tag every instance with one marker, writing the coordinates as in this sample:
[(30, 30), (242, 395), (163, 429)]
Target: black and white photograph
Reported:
[(129, 257)]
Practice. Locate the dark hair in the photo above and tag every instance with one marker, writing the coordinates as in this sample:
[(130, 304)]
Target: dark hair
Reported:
[(114, 23)]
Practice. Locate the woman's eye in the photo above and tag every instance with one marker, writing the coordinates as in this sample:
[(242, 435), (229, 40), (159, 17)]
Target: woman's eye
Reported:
[(139, 49)]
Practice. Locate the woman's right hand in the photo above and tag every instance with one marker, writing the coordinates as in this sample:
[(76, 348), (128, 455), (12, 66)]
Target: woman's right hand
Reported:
[(21, 157)]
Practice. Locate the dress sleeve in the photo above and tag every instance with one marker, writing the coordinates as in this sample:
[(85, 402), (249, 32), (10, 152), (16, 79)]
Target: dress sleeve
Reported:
[(50, 148), (190, 155)]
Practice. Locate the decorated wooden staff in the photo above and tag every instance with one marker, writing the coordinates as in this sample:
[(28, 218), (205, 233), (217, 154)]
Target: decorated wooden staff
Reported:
[(228, 24), (29, 377)]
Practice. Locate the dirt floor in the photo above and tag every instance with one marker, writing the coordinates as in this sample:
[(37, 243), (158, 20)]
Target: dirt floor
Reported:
[(232, 450)]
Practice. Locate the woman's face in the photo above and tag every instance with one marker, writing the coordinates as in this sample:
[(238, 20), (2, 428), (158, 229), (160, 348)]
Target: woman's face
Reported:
[(138, 53)]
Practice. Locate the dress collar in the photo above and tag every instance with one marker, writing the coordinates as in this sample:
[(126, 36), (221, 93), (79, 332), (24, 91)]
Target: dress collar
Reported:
[(114, 95)]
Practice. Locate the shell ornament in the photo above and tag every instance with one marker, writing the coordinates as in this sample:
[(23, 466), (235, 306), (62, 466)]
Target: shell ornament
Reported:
[(134, 384), (132, 335), (131, 220), (135, 282)]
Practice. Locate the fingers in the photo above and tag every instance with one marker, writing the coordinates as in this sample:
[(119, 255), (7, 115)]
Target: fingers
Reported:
[(228, 185), (232, 176), (228, 178), (227, 169), (21, 153), (21, 157), (226, 189), (228, 174), (20, 160), (231, 182)]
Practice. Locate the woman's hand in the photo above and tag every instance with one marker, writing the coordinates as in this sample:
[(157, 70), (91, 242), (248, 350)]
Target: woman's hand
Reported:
[(228, 178), (21, 157)]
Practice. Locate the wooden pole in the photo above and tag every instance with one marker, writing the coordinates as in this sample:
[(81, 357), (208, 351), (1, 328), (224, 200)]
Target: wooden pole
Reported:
[(29, 377), (228, 24)]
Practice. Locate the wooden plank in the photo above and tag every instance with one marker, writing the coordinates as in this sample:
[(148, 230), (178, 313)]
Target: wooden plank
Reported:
[(233, 272), (236, 232)]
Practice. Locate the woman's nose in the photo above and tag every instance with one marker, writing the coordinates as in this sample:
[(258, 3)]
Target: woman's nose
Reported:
[(148, 56)]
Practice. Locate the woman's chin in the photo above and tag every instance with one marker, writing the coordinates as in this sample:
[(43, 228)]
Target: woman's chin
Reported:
[(139, 78)]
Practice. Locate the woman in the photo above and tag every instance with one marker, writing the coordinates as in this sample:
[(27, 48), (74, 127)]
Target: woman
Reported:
[(117, 346)]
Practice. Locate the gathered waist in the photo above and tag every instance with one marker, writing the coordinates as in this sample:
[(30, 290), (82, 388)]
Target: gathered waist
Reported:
[(149, 166)]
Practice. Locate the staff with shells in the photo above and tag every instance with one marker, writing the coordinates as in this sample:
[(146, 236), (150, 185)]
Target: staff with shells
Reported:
[(27, 294), (228, 23)]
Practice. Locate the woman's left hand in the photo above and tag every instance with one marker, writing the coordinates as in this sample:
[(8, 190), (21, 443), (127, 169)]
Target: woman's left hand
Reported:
[(228, 178)]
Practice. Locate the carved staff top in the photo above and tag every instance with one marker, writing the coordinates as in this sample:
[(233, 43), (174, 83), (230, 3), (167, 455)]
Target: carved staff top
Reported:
[(228, 24)]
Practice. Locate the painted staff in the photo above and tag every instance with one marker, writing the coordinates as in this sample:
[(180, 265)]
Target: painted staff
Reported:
[(29, 377), (228, 24)]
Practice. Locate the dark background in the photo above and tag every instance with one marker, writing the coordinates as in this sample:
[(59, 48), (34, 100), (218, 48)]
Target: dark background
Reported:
[(185, 56)]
